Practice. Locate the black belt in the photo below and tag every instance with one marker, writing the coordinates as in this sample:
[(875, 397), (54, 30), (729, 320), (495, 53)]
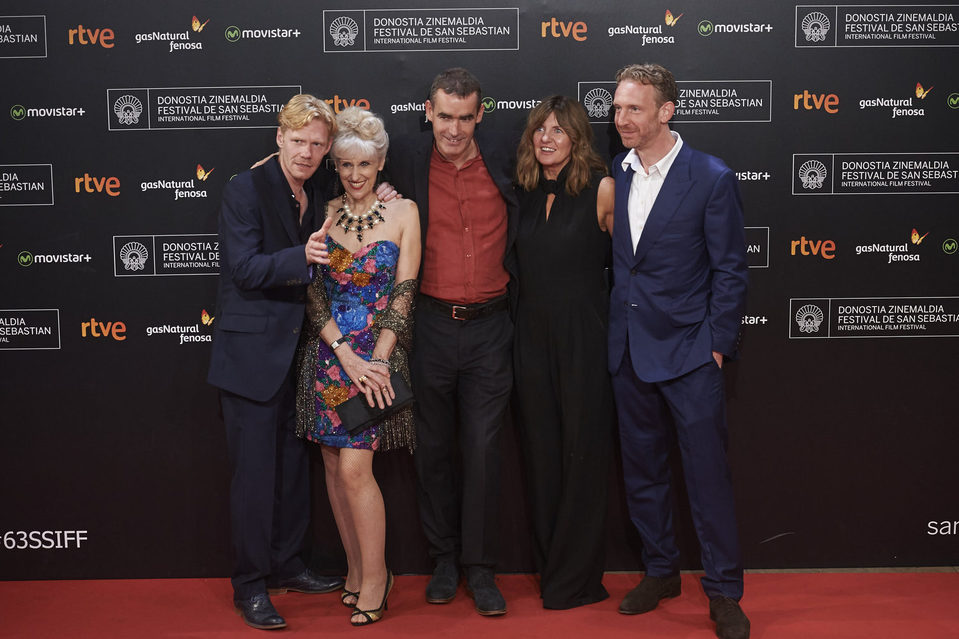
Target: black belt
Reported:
[(465, 311)]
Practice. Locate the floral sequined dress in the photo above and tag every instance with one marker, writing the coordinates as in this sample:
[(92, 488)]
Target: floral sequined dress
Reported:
[(357, 292)]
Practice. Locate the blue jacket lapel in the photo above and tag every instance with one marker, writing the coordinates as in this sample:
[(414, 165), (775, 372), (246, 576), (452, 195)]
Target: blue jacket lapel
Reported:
[(675, 187), (621, 211), (273, 189)]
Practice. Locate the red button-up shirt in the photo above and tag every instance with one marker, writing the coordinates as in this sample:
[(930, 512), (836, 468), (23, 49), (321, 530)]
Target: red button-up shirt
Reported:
[(466, 235)]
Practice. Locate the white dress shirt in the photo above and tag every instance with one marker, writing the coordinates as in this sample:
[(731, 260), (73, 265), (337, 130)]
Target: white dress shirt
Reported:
[(645, 186)]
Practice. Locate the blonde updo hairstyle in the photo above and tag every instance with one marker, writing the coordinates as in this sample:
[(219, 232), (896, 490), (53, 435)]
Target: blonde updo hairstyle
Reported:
[(360, 132)]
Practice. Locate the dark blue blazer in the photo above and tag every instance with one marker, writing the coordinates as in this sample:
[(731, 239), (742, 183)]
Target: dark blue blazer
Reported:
[(263, 279), (682, 294)]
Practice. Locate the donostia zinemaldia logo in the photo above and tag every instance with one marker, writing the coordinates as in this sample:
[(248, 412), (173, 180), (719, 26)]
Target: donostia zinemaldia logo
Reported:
[(597, 103), (344, 30), (134, 256), (809, 317), (815, 25), (489, 104), (812, 174), (25, 258), (128, 109), (18, 112), (705, 28), (231, 33)]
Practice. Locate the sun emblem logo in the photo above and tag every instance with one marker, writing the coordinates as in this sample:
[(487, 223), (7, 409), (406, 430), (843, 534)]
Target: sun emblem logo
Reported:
[(812, 174), (597, 103), (809, 317), (815, 25), (128, 109), (134, 256), (344, 31)]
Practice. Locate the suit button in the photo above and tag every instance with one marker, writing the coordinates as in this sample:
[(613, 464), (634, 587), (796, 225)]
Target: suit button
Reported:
[(633, 271), (295, 331)]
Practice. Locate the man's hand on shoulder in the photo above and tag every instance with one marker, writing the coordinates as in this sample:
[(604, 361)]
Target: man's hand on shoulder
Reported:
[(264, 160), (385, 192)]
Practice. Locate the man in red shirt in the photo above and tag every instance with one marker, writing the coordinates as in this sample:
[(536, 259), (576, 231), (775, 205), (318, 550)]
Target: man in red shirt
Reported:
[(461, 362)]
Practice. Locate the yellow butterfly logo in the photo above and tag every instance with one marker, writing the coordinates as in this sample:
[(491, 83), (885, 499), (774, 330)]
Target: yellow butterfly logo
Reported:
[(201, 173), (670, 20), (206, 318), (197, 26), (916, 238), (920, 92)]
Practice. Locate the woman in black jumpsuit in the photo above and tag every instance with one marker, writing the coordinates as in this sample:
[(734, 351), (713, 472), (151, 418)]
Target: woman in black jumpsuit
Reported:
[(562, 385)]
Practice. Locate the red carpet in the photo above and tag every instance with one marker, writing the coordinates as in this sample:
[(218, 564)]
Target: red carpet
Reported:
[(780, 606)]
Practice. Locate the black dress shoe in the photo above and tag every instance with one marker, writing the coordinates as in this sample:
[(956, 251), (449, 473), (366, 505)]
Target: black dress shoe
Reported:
[(731, 621), (307, 582), (482, 587), (258, 611), (647, 595), (442, 586)]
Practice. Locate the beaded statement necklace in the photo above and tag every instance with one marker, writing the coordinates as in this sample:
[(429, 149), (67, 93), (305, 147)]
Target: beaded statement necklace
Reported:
[(359, 223)]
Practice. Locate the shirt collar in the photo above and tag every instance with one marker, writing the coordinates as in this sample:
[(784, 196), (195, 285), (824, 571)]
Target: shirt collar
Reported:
[(661, 167)]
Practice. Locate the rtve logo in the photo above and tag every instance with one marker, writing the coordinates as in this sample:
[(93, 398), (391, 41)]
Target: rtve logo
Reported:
[(93, 328), (90, 184), (826, 249), (339, 103), (560, 29), (82, 35), (828, 102)]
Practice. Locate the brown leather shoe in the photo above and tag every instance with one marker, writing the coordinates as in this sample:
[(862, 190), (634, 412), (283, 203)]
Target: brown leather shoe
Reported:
[(647, 595), (731, 621)]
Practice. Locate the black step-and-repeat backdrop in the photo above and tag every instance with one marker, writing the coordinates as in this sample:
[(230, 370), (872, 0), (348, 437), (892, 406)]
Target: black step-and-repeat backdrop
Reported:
[(121, 122)]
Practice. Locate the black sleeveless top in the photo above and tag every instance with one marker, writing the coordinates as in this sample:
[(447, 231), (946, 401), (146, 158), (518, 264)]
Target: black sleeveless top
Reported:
[(563, 260)]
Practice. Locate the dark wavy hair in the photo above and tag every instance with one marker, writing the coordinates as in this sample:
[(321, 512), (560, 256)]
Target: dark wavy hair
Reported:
[(456, 81), (583, 159)]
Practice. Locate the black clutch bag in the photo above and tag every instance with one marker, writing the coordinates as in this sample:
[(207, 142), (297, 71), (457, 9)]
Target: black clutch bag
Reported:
[(357, 415)]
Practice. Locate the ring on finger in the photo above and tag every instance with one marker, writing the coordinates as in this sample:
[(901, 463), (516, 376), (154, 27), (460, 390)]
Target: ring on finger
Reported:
[(361, 379)]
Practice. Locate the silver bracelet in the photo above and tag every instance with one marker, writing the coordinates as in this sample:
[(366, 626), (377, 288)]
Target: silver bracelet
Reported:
[(377, 360)]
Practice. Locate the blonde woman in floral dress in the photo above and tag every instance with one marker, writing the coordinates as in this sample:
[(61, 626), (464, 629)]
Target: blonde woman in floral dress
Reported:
[(359, 329)]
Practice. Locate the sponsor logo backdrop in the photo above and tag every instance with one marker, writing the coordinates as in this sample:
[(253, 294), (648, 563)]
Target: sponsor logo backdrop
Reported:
[(121, 125)]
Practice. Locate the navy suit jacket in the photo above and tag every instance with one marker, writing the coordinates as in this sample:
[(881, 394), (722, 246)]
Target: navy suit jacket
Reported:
[(409, 173), (682, 294), (263, 279)]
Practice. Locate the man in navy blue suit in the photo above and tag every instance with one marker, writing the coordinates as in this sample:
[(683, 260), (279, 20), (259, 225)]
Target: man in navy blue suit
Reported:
[(268, 241), (679, 263)]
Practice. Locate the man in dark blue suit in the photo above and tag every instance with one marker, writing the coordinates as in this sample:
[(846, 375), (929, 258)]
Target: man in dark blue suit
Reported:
[(679, 262), (268, 241)]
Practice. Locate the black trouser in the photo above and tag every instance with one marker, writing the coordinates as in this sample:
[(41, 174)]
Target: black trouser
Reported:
[(269, 492), (462, 377)]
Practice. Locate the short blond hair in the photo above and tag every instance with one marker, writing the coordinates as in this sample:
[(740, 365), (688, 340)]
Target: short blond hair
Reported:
[(655, 75), (302, 109)]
